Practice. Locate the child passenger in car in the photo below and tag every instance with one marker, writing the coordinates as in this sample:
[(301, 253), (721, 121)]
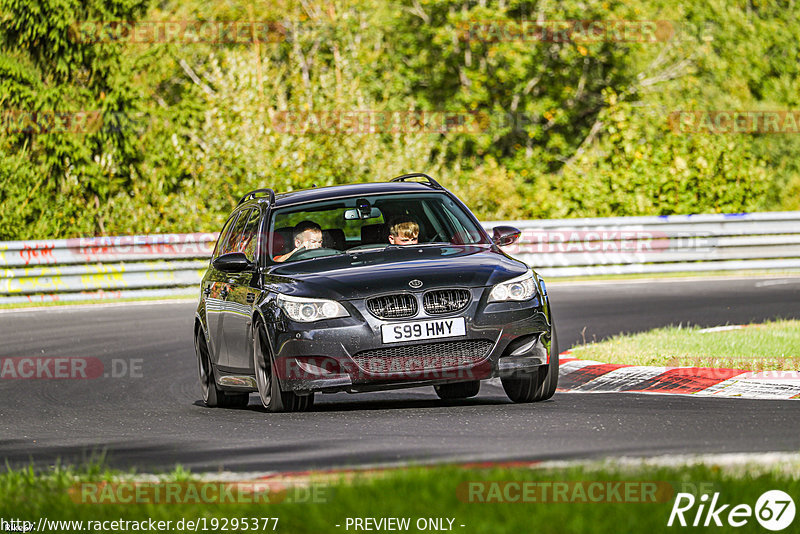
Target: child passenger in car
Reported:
[(403, 231)]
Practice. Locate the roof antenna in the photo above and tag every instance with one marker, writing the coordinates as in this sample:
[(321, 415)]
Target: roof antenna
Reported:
[(313, 186)]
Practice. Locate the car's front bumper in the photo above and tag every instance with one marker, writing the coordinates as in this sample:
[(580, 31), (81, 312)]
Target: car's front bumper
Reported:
[(347, 354)]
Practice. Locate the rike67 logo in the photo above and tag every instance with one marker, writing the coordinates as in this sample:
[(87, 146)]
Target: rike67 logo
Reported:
[(774, 510)]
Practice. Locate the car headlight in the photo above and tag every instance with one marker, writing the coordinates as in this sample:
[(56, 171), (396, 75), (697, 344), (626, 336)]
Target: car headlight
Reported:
[(517, 289), (306, 310)]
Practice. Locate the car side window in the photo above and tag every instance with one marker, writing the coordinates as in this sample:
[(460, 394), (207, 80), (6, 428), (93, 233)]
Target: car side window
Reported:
[(224, 236), (250, 237), (235, 236)]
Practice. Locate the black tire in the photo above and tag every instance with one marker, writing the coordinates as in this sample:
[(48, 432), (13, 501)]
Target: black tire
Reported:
[(458, 390), (539, 385), (214, 397), (269, 389)]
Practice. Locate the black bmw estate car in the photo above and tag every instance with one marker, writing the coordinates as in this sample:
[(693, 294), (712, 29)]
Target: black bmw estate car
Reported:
[(368, 287)]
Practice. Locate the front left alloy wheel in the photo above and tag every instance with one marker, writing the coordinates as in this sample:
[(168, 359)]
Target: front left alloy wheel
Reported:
[(538, 385), (213, 396)]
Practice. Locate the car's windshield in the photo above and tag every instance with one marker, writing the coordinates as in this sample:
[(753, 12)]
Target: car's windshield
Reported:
[(368, 223)]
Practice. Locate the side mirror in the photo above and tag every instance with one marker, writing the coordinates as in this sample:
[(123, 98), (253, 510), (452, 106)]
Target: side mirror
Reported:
[(503, 236), (233, 262)]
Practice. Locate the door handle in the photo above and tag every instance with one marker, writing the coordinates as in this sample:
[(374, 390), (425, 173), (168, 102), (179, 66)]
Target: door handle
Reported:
[(251, 297)]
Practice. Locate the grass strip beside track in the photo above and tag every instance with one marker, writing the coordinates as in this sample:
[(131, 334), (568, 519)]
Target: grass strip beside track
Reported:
[(450, 492), (772, 346)]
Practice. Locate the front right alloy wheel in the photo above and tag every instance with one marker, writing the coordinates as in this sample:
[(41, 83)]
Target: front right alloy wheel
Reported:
[(269, 390)]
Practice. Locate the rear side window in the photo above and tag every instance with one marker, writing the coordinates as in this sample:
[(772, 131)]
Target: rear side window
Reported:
[(233, 240), (224, 235), (249, 239)]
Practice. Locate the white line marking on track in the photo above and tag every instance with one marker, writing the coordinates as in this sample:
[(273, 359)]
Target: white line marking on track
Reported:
[(721, 328), (766, 283)]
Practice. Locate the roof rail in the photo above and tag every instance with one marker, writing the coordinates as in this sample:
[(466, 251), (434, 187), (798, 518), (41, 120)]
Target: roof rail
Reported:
[(431, 182), (252, 194)]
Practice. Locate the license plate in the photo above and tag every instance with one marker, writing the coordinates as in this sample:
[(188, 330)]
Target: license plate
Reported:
[(396, 332)]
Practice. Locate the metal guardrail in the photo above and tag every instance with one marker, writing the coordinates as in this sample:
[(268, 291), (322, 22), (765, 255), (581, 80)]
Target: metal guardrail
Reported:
[(100, 268), (172, 264), (672, 243)]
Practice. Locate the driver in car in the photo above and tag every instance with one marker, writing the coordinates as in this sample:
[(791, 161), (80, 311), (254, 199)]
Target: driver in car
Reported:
[(307, 236), (403, 231)]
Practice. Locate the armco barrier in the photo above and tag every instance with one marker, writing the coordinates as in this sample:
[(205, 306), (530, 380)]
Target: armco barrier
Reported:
[(166, 265), (111, 268), (673, 243)]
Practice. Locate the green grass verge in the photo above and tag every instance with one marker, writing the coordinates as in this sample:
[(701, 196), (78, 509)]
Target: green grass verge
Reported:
[(441, 492), (773, 346)]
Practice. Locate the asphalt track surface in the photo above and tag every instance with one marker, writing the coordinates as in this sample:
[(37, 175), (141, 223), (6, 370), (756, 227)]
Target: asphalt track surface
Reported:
[(153, 421)]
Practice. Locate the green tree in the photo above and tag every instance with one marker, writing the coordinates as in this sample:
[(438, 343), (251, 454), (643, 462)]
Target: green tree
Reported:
[(50, 177)]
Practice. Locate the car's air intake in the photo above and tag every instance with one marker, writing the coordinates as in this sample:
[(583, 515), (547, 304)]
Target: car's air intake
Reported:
[(445, 300), (423, 357), (393, 306)]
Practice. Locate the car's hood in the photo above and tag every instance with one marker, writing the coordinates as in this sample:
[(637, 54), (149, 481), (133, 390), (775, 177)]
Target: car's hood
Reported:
[(355, 276)]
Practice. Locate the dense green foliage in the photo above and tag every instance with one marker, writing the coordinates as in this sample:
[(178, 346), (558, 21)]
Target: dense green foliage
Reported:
[(562, 127)]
